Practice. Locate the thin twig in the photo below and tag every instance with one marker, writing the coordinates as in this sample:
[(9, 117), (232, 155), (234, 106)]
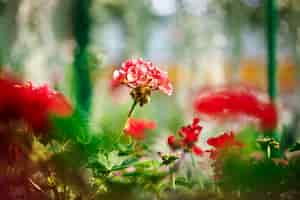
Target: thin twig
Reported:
[(35, 186)]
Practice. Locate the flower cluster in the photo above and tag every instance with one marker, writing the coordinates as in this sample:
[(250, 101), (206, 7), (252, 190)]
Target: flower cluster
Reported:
[(224, 141), (187, 138), (143, 77), (234, 102), (136, 128), (25, 102)]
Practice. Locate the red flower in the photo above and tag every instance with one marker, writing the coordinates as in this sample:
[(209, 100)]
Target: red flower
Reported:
[(136, 128), (19, 101), (187, 138), (234, 102), (190, 133), (172, 142), (222, 142), (139, 73), (197, 151), (114, 84)]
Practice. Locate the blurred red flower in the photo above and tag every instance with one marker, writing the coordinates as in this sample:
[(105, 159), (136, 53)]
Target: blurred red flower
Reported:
[(23, 101), (140, 73), (136, 128), (226, 140), (187, 138), (172, 142), (114, 85), (234, 102), (190, 133), (197, 151)]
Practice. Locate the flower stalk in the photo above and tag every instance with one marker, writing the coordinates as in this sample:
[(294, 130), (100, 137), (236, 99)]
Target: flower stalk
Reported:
[(173, 180), (268, 152), (132, 109)]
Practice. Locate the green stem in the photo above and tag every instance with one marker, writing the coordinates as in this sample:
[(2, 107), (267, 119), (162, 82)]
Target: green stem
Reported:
[(130, 141), (268, 152), (173, 180), (271, 33), (193, 160), (132, 109)]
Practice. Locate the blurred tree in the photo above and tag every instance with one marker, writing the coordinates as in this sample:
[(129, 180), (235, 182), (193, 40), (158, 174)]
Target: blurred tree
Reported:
[(81, 28), (8, 27), (234, 21), (290, 12), (137, 19)]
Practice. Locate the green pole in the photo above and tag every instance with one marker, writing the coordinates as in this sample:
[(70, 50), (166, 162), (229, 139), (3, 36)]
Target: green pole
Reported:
[(271, 36), (81, 30), (271, 33)]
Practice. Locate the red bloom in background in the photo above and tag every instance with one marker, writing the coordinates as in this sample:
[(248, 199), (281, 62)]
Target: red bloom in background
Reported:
[(139, 73), (190, 133), (19, 101), (136, 128), (222, 142), (187, 138), (197, 150), (114, 85), (234, 102), (172, 142)]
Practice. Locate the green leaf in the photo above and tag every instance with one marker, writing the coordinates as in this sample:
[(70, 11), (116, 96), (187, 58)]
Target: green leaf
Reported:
[(295, 147), (168, 159), (248, 137), (103, 160), (182, 181), (147, 164), (125, 149), (125, 164)]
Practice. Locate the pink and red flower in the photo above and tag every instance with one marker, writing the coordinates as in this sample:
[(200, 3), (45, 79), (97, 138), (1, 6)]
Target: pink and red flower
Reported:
[(234, 102), (136, 128), (137, 73), (187, 137), (31, 104)]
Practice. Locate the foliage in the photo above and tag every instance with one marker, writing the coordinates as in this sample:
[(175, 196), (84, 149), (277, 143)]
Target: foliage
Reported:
[(75, 160)]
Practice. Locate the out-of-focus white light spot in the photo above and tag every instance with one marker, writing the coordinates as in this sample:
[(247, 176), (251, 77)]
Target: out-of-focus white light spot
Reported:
[(217, 71), (159, 46), (197, 7), (220, 40), (253, 42), (163, 7), (112, 40)]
